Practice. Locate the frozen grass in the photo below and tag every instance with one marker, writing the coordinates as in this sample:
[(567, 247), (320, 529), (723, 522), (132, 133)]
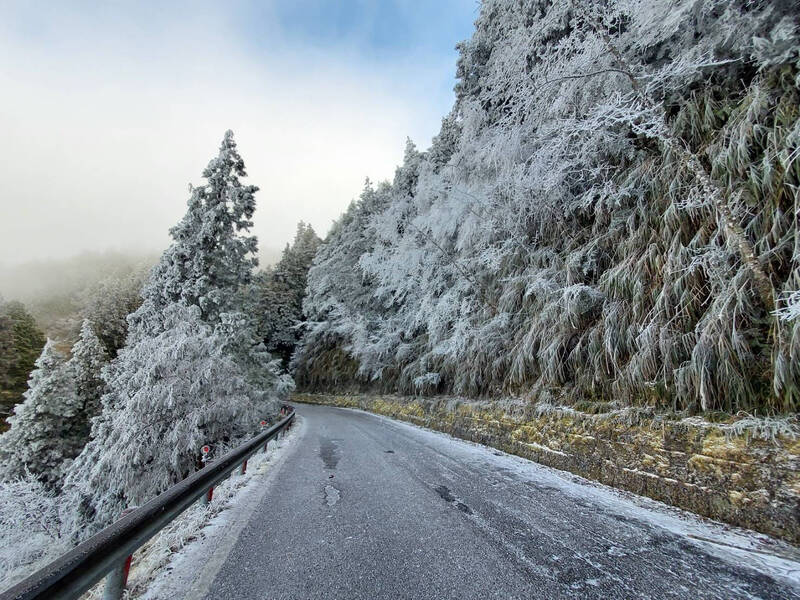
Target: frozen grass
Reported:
[(177, 537)]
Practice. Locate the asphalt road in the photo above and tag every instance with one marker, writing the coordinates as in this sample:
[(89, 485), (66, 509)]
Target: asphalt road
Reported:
[(365, 507)]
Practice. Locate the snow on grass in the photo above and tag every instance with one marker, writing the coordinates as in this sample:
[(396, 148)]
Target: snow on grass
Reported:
[(185, 552)]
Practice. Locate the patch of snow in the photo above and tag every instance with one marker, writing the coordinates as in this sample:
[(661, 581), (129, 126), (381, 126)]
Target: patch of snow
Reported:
[(182, 560), (331, 495)]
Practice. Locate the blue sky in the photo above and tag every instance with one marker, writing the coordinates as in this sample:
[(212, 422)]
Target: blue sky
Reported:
[(112, 108)]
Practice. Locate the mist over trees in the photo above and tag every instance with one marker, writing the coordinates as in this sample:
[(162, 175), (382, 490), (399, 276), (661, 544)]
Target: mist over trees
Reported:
[(608, 213), (55, 291)]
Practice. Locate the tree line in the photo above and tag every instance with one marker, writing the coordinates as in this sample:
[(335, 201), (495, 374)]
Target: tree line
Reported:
[(192, 353)]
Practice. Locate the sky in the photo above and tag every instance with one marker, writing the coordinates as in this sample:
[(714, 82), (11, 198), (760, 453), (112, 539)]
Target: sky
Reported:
[(108, 110)]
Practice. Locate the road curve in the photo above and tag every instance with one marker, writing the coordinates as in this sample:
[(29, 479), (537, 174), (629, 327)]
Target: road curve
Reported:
[(365, 507)]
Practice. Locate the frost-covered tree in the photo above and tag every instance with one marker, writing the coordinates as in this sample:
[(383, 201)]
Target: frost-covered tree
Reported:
[(608, 213), (48, 428), (192, 371), (107, 305), (87, 361), (170, 394), (339, 297), (275, 298), (211, 257), (21, 342)]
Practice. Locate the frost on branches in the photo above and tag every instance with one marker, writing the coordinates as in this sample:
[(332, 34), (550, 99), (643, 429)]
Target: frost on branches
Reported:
[(211, 256), (87, 361), (275, 297), (171, 393), (609, 212), (32, 530), (48, 428), (192, 371)]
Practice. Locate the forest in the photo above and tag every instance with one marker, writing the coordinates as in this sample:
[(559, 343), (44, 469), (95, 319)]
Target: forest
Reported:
[(608, 215), (607, 219), (151, 365)]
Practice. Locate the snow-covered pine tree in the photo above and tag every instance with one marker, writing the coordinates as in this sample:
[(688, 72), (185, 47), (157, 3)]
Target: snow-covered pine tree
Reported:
[(211, 257), (47, 428), (171, 393), (340, 305), (21, 343), (87, 361), (107, 305), (275, 298), (192, 371)]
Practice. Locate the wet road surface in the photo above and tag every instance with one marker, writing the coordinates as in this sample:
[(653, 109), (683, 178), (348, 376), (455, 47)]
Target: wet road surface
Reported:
[(365, 507)]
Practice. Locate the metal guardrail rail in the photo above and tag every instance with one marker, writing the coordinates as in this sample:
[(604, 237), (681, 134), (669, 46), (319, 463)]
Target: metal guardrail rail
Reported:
[(108, 552)]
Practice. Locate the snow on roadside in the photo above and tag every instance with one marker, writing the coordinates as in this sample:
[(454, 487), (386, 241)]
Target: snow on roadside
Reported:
[(185, 555), (737, 546)]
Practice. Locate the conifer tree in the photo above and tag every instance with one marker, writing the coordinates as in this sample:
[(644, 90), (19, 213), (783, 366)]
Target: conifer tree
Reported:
[(48, 428), (192, 372), (171, 393), (211, 256), (21, 342), (87, 361), (108, 304), (276, 295)]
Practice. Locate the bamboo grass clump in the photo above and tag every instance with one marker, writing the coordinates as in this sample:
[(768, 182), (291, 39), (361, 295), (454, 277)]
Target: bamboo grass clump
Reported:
[(608, 214)]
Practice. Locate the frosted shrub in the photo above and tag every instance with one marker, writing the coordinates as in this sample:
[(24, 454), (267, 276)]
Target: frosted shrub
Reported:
[(31, 528)]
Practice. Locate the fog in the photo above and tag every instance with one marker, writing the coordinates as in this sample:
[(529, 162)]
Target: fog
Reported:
[(108, 116)]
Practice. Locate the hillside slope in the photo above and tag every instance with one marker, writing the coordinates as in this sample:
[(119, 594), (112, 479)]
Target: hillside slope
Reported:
[(609, 213)]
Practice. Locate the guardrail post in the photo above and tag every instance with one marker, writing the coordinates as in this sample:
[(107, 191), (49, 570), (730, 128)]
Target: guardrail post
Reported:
[(243, 468), (117, 579), (264, 424), (209, 495)]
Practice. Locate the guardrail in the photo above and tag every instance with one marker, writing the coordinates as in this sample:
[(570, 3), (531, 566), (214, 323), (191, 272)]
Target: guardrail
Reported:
[(108, 553)]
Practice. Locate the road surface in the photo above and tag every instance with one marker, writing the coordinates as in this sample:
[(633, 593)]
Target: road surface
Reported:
[(366, 507)]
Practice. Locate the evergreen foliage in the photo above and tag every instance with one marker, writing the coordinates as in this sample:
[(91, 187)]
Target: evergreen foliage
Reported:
[(275, 298), (87, 361), (107, 305), (21, 342), (609, 212), (211, 257), (48, 428), (171, 393), (192, 371)]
